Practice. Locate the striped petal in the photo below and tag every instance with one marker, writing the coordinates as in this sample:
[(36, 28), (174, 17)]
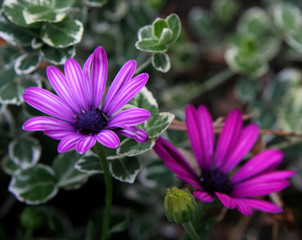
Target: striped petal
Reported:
[(69, 142), (262, 205), (125, 94), (87, 91), (59, 133), (123, 76), (203, 196), (98, 76), (226, 200), (267, 160), (85, 143), (48, 103), (42, 123), (108, 138), (129, 117), (244, 208), (136, 133)]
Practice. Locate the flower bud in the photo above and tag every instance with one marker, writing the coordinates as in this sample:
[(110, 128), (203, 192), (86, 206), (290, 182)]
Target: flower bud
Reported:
[(180, 205)]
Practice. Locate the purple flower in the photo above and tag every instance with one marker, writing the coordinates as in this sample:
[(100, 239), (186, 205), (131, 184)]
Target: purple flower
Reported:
[(79, 114), (257, 177)]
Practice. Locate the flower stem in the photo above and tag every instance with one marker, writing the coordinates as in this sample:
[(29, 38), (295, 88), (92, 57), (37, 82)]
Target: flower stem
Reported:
[(98, 149), (190, 230), (142, 66)]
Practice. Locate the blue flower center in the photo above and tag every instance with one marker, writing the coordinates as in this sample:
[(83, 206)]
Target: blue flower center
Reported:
[(215, 181), (91, 122)]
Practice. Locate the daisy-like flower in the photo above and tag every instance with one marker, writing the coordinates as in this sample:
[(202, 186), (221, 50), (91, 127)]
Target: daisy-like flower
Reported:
[(79, 114), (216, 175)]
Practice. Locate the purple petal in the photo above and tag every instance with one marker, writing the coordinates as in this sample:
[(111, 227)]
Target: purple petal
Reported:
[(58, 134), (125, 94), (245, 143), (262, 205), (48, 103), (134, 132), (244, 208), (267, 160), (69, 142), (129, 117), (203, 196), (123, 76), (74, 76), (98, 75), (62, 88), (87, 91), (85, 143), (229, 137), (173, 159), (42, 123), (108, 138), (192, 123), (226, 200)]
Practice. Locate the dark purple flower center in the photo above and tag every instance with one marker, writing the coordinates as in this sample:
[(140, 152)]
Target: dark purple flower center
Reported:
[(91, 122), (215, 181)]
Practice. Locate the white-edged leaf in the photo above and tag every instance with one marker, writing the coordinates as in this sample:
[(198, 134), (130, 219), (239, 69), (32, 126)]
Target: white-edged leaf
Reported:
[(126, 169), (145, 33), (174, 25), (161, 62), (150, 45), (33, 185), (27, 63), (130, 147), (89, 164), (42, 13), (57, 56), (25, 151), (8, 166), (158, 123)]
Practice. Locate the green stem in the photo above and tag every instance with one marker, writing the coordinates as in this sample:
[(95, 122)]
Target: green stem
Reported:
[(143, 66), (98, 149), (190, 230), (216, 80)]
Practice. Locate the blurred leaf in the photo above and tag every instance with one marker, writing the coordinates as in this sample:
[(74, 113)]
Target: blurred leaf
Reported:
[(174, 25), (225, 10), (63, 34), (89, 164), (57, 55), (161, 62), (8, 166), (27, 63), (25, 151), (33, 185), (31, 218), (66, 174), (42, 13), (294, 39), (150, 45), (126, 169), (122, 225), (247, 89), (158, 26)]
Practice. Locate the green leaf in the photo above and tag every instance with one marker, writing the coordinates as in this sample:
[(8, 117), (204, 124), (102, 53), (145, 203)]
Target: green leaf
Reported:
[(12, 91), (63, 34), (158, 26), (126, 169), (225, 10), (66, 174), (294, 39), (158, 123), (13, 34), (27, 63), (24, 151), (8, 166), (122, 225), (33, 185), (161, 62), (130, 147), (57, 56), (89, 164), (247, 89), (165, 36), (41, 13), (144, 99), (174, 25), (150, 45), (145, 33)]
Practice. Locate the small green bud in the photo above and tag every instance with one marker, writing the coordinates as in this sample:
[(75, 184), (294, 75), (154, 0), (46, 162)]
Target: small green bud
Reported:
[(31, 218), (180, 205)]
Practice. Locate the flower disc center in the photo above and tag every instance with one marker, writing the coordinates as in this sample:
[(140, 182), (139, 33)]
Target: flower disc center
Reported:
[(91, 122), (215, 181)]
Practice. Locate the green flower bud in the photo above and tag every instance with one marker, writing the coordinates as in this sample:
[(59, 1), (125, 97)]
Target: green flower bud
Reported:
[(180, 205)]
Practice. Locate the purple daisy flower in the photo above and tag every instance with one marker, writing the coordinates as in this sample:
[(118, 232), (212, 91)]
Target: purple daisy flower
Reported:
[(256, 178), (79, 115)]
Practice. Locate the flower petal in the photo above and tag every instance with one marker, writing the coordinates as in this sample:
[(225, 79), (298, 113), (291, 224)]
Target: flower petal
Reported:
[(267, 160), (244, 208), (192, 123), (124, 75), (226, 200), (203, 196), (42, 123), (48, 103), (74, 76), (58, 134), (262, 205), (108, 138), (229, 137), (85, 143), (69, 142), (134, 132), (173, 159), (245, 143), (125, 94), (129, 117), (87, 91), (98, 75)]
